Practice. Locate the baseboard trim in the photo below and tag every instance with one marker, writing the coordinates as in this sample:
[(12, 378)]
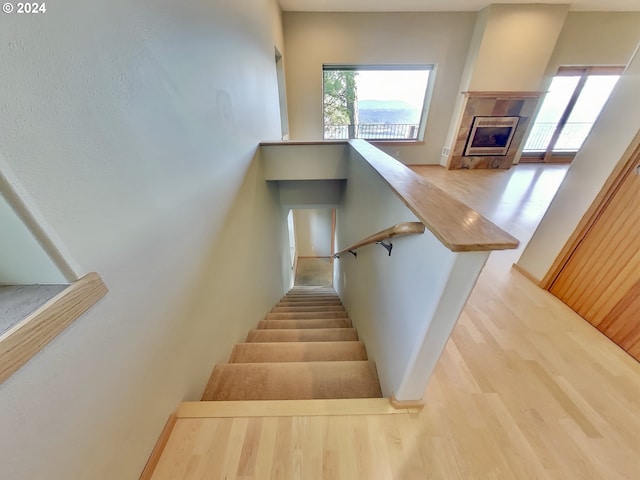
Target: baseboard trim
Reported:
[(405, 404), (526, 274), (158, 449), (26, 338)]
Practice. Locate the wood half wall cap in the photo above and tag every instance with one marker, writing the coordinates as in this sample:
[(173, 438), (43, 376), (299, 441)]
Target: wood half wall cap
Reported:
[(26, 338)]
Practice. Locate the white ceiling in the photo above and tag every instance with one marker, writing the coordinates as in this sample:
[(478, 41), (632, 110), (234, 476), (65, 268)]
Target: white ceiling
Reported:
[(444, 5)]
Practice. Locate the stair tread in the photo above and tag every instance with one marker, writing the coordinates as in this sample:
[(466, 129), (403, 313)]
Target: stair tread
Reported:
[(271, 352), (302, 335), (293, 380)]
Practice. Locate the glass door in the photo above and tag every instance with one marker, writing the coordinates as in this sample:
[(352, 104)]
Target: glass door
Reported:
[(575, 98)]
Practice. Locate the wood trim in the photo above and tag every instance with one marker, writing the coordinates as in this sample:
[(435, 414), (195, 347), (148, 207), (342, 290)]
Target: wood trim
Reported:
[(592, 214), (33, 333), (286, 408), (390, 143), (458, 227), (407, 228), (294, 142), (554, 158), (476, 94), (406, 404), (575, 71), (158, 449), (526, 274)]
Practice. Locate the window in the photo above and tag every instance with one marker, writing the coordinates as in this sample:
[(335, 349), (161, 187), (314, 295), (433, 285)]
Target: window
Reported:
[(570, 108), (375, 102), (284, 115)]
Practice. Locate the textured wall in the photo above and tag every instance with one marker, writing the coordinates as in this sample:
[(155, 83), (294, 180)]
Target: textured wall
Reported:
[(134, 128)]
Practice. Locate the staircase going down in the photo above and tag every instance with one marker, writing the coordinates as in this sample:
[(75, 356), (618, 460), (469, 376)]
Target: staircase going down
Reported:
[(305, 348)]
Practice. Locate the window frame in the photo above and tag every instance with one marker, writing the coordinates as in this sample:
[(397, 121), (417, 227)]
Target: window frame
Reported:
[(584, 72), (426, 103)]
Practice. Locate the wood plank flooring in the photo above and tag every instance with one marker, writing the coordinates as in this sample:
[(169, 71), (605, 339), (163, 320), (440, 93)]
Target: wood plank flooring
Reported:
[(525, 389)]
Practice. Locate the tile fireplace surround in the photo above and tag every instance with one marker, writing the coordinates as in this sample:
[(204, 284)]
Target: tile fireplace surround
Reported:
[(492, 104)]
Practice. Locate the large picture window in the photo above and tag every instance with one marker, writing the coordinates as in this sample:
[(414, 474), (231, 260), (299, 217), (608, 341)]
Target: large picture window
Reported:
[(378, 102)]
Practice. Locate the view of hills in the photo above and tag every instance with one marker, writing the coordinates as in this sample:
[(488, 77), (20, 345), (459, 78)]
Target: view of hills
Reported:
[(387, 112)]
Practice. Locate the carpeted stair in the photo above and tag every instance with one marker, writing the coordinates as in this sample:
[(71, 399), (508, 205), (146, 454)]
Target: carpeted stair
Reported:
[(305, 348)]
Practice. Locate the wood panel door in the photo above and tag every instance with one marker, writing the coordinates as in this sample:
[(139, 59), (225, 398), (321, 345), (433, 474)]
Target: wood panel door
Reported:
[(601, 278)]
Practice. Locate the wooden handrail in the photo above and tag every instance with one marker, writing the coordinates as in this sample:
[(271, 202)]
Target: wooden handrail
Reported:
[(407, 228)]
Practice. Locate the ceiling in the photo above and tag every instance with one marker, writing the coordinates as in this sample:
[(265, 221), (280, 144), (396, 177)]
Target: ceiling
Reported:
[(444, 5)]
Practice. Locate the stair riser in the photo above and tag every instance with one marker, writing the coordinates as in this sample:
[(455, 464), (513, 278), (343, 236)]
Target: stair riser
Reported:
[(303, 324), (303, 315), (326, 290), (297, 352), (308, 308), (312, 297), (303, 335), (308, 304)]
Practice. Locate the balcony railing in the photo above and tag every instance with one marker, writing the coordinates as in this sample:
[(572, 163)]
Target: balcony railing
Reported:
[(373, 131), (571, 137)]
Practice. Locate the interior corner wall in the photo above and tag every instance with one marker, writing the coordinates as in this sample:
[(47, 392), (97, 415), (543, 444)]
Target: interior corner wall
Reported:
[(135, 131), (612, 134), (313, 232), (314, 39), (23, 261)]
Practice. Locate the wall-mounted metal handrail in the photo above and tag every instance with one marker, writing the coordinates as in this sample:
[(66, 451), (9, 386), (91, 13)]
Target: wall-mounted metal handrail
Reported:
[(407, 228)]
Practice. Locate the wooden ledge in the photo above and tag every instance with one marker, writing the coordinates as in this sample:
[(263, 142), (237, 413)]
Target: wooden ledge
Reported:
[(303, 142), (503, 94), (458, 227), (34, 332), (288, 408)]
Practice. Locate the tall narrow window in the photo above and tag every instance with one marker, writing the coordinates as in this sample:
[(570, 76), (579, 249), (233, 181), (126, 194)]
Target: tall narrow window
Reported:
[(570, 108), (375, 102), (284, 115)]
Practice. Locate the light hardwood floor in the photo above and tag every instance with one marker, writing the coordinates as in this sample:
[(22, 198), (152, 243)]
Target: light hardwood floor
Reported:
[(525, 389)]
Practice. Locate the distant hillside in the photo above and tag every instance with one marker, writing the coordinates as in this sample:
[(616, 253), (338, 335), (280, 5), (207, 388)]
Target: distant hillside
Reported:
[(383, 111)]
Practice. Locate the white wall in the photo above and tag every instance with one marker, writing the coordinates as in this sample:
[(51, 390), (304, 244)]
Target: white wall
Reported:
[(404, 305), (309, 193), (596, 38), (617, 126), (313, 228), (516, 45), (23, 261), (303, 162), (134, 127), (313, 39)]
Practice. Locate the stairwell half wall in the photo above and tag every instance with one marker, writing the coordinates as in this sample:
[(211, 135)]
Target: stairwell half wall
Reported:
[(404, 305)]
